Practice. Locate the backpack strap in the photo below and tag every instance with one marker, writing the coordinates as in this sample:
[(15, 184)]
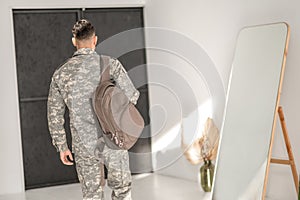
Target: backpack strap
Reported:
[(104, 76), (104, 68)]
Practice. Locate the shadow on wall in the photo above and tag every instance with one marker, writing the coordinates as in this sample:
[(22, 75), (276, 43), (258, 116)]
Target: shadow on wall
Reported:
[(168, 155), (173, 163)]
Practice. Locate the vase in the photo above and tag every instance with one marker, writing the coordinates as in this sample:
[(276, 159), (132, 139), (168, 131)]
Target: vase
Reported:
[(206, 175)]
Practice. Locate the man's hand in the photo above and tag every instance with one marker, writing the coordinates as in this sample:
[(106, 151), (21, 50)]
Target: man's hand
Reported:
[(64, 155)]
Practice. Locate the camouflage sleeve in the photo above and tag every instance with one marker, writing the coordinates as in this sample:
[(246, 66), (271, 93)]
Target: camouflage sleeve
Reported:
[(120, 76), (56, 110)]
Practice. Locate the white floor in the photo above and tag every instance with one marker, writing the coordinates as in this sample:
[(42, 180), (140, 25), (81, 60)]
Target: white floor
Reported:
[(144, 187)]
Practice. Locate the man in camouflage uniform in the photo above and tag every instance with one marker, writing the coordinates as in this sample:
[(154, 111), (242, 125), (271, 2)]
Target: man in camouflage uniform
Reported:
[(73, 85)]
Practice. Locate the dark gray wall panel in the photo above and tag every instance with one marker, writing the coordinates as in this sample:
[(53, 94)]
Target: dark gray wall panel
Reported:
[(42, 165), (43, 42), (109, 22)]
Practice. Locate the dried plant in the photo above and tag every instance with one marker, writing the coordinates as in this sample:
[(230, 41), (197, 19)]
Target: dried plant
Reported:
[(203, 148)]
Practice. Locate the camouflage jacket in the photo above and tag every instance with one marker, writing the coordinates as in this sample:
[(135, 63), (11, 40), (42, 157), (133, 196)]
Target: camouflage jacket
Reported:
[(73, 85)]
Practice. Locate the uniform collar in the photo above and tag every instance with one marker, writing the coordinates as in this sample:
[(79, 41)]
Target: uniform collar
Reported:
[(83, 51)]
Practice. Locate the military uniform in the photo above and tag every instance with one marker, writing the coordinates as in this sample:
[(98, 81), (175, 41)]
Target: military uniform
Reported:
[(73, 85)]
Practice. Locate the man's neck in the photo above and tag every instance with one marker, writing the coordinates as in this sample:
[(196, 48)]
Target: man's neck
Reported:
[(85, 47)]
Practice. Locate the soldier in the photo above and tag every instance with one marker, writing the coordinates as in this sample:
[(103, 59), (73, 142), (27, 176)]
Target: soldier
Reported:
[(73, 85)]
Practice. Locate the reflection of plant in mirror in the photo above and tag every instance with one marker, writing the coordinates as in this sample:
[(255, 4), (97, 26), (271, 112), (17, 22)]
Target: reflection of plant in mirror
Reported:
[(204, 149)]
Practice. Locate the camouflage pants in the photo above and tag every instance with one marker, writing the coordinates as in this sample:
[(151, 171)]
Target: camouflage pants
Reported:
[(118, 177)]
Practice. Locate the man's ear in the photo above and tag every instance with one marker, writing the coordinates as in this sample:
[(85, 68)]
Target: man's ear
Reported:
[(95, 40), (74, 41)]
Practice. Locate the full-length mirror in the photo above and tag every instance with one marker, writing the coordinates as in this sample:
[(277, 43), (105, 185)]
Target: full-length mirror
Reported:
[(251, 111)]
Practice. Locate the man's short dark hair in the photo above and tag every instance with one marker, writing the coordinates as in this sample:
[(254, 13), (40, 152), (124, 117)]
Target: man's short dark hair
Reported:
[(83, 29)]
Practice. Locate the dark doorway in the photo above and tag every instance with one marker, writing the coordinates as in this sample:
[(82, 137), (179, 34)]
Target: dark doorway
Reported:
[(43, 43)]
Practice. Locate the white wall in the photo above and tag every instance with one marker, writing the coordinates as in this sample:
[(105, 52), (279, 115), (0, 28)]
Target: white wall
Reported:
[(214, 25), (11, 167)]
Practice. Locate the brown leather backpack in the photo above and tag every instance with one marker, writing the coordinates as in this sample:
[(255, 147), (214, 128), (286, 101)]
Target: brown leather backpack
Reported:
[(121, 122)]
